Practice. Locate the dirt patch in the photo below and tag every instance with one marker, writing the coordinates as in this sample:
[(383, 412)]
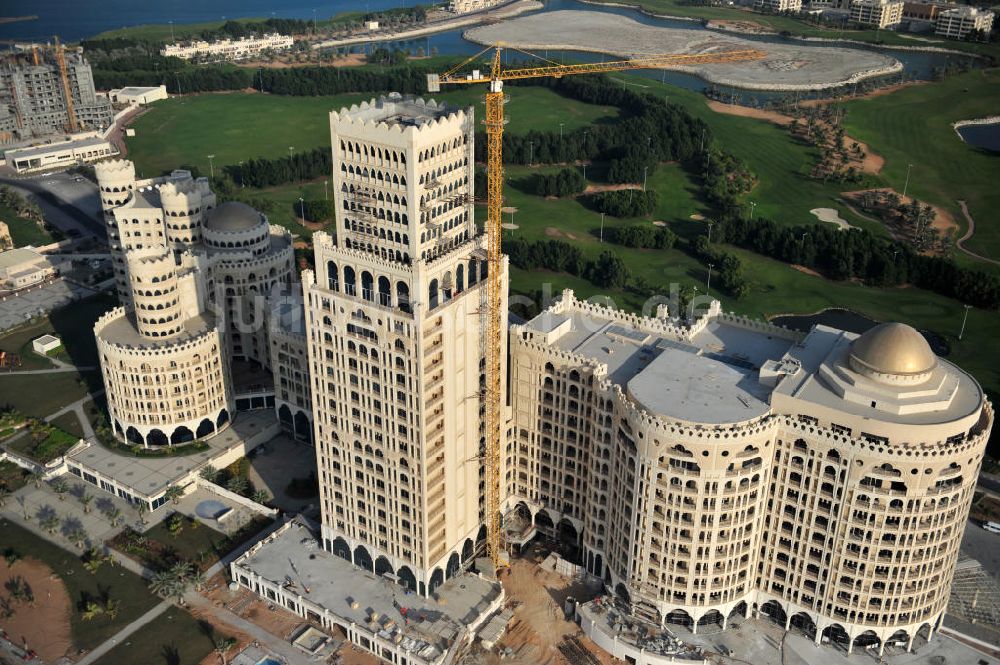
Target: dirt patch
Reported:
[(593, 189), (553, 232), (870, 163), (807, 271), (42, 624), (745, 27), (352, 60), (944, 222), (539, 624)]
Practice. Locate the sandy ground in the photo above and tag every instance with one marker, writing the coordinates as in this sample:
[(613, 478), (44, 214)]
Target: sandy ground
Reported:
[(944, 222), (784, 66), (539, 624), (44, 624), (872, 163), (351, 60), (553, 232), (591, 188), (831, 216), (807, 271), (746, 27)]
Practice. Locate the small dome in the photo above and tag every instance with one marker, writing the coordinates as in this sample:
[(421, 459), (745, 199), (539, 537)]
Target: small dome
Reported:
[(233, 216), (893, 349)]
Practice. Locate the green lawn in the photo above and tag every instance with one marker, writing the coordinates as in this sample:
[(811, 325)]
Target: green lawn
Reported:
[(183, 131), (73, 324), (40, 395), (173, 638), (53, 446), (69, 422), (23, 231), (283, 203), (109, 582), (164, 32), (913, 126)]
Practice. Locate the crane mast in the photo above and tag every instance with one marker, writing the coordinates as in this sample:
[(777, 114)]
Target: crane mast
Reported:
[(67, 90), (492, 317)]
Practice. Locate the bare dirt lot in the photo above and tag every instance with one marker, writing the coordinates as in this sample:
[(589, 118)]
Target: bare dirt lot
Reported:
[(539, 624), (41, 624)]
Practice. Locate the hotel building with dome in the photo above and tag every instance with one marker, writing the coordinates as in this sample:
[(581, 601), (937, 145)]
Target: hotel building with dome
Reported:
[(196, 280), (731, 467)]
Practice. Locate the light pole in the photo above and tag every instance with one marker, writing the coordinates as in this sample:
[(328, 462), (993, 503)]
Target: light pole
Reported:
[(560, 131), (645, 172), (211, 166), (326, 195), (965, 318), (710, 225), (241, 174), (531, 153), (708, 284), (906, 185), (302, 208), (172, 40), (602, 227), (753, 210)]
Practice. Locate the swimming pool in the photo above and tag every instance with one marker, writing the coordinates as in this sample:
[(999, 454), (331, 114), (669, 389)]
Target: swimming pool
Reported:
[(269, 661)]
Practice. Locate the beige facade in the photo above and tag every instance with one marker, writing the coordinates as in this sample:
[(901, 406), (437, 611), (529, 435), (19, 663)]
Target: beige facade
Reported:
[(394, 347), (730, 466), (778, 5), (197, 280), (878, 13), (228, 49), (959, 22)]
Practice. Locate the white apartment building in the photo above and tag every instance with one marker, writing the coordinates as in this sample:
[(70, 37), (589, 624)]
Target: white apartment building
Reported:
[(84, 149), (195, 279), (731, 467), (778, 5), (393, 321), (466, 6), (957, 23), (228, 49), (878, 13)]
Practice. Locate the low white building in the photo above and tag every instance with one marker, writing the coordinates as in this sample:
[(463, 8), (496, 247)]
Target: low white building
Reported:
[(42, 345), (22, 267), (85, 149), (466, 6), (138, 96), (778, 5), (878, 13), (228, 49), (957, 23)]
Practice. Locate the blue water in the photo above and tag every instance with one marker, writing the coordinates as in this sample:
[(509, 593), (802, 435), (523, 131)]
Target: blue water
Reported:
[(986, 137), (77, 19), (270, 661)]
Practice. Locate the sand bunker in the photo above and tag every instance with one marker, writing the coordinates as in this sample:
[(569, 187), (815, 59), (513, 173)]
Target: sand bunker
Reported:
[(786, 67), (41, 625), (509, 226), (832, 216)]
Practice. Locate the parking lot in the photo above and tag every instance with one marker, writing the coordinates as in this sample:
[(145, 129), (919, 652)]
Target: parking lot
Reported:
[(18, 308)]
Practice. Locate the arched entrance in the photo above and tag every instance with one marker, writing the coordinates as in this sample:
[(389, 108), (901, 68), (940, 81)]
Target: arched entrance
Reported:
[(679, 618), (712, 618), (544, 522), (362, 559), (132, 436), (836, 636), (868, 640), (437, 579), (775, 612), (156, 437), (303, 428), (285, 418), (804, 624), (181, 435), (468, 549), (382, 566), (340, 547), (205, 427), (453, 565), (407, 579), (222, 419)]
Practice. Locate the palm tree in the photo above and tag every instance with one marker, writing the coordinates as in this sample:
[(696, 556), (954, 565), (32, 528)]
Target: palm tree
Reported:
[(114, 515), (111, 607), (142, 507), (36, 477), (60, 487), (4, 495), (91, 611), (50, 522), (209, 473), (222, 647), (86, 500), (77, 536), (237, 485), (173, 493), (261, 496)]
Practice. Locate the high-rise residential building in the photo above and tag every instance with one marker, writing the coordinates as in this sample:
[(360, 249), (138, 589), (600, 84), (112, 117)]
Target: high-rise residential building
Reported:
[(877, 13), (959, 22), (731, 467), (33, 97), (197, 281), (395, 353)]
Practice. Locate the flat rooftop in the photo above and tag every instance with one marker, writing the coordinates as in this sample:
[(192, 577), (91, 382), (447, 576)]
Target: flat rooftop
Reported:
[(123, 331), (48, 148), (152, 475), (15, 257), (710, 378), (396, 109), (294, 558)]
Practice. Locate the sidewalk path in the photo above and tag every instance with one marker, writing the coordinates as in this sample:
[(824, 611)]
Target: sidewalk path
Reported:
[(81, 414), (968, 234), (123, 634), (54, 370)]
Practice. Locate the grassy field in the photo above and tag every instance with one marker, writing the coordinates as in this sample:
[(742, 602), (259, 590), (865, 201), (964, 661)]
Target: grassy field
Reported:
[(173, 638), (793, 26), (913, 126), (164, 32), (40, 395), (45, 451), (109, 582), (183, 131), (23, 231), (73, 324)]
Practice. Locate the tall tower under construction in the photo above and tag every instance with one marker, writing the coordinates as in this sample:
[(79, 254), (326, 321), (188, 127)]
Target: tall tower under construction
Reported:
[(395, 350)]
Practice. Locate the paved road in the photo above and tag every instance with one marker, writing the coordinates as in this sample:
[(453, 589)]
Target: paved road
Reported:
[(54, 370), (65, 203)]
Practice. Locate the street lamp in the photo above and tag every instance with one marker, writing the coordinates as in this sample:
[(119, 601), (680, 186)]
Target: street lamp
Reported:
[(965, 318), (241, 174), (531, 153), (602, 227), (211, 166), (645, 172), (708, 284), (710, 225), (560, 131), (302, 208), (907, 183), (753, 210), (326, 195)]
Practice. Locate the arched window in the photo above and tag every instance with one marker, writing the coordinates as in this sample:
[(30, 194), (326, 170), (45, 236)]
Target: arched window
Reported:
[(432, 294), (403, 296), (332, 275), (384, 291), (367, 286), (459, 278), (473, 273), (349, 281)]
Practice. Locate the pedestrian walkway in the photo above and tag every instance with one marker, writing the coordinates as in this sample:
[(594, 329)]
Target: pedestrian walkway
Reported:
[(123, 634)]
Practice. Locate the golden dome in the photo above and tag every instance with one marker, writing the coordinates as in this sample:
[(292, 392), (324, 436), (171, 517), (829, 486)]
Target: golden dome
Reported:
[(894, 349)]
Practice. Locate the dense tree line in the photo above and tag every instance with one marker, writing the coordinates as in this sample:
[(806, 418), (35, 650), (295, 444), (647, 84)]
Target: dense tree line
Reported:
[(383, 56), (269, 172), (624, 202), (857, 253), (566, 182), (725, 178), (726, 266), (244, 29), (320, 210), (642, 236), (608, 270)]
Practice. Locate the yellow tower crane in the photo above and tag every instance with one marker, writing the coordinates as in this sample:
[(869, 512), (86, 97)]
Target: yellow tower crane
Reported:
[(71, 123), (493, 323)]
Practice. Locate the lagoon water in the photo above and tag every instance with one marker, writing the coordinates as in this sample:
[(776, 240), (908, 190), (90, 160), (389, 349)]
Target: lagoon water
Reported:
[(986, 137)]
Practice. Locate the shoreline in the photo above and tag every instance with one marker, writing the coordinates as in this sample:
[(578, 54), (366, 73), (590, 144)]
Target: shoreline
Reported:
[(894, 68), (715, 26), (509, 10), (958, 124)]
